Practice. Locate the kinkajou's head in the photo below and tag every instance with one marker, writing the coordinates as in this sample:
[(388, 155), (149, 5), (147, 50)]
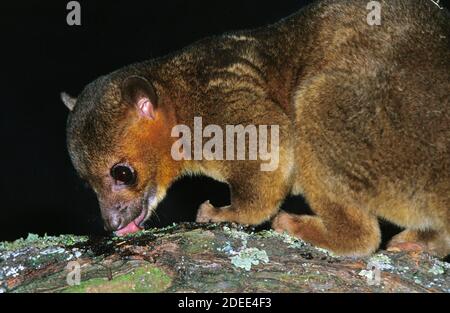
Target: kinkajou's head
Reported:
[(118, 137)]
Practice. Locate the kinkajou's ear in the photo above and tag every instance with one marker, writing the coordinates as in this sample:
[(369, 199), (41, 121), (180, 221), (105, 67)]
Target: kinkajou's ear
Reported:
[(139, 92), (68, 100)]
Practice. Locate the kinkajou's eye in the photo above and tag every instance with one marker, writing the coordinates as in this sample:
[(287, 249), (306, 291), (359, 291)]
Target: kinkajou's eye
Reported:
[(123, 174)]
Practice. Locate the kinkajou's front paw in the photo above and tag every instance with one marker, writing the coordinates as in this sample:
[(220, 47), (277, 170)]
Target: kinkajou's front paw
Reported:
[(206, 213)]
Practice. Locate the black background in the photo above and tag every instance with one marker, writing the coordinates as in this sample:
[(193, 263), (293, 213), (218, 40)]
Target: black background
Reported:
[(42, 56)]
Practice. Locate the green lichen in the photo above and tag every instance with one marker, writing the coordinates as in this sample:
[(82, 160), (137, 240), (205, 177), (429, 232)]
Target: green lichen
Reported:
[(417, 280), (248, 257), (292, 242), (143, 279), (41, 242), (161, 231), (381, 262), (236, 234), (439, 268), (198, 241), (369, 274)]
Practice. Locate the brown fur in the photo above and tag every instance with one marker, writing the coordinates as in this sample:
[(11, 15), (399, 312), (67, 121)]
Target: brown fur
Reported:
[(364, 115)]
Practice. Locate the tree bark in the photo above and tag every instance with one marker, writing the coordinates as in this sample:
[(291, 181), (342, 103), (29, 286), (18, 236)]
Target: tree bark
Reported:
[(213, 258)]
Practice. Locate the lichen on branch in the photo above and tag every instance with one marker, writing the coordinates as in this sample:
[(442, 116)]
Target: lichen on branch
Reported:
[(213, 258)]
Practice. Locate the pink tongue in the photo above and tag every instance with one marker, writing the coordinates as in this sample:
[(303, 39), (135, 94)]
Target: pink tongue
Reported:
[(129, 229)]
